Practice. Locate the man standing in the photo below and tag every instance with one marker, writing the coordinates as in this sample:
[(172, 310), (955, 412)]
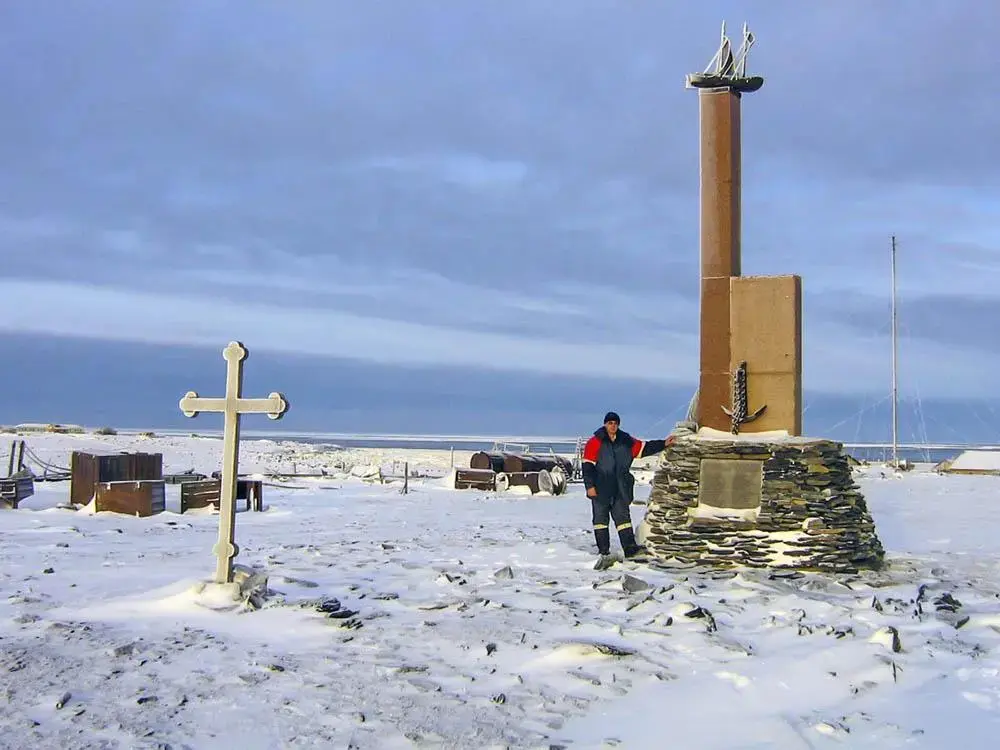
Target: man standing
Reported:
[(607, 463)]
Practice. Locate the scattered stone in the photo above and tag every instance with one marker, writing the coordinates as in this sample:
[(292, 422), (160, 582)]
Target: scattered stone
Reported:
[(947, 603), (632, 585), (63, 700), (490, 648), (609, 649), (504, 574), (499, 699), (341, 614), (49, 571), (328, 605), (385, 597), (147, 699)]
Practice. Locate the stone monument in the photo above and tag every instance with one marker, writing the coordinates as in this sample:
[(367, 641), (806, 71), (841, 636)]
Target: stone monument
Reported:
[(741, 485), (232, 405)]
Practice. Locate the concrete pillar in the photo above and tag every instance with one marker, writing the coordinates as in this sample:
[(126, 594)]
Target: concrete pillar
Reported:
[(720, 247)]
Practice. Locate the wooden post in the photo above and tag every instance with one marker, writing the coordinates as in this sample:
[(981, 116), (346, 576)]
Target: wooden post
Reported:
[(232, 405)]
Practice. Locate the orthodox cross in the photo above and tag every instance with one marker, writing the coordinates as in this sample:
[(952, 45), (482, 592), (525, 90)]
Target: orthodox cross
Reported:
[(232, 405)]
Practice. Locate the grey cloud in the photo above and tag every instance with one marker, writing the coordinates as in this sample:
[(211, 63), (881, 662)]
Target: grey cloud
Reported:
[(517, 146), (956, 320)]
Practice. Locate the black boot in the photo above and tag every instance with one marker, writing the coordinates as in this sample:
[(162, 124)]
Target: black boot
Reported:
[(603, 538), (629, 547)]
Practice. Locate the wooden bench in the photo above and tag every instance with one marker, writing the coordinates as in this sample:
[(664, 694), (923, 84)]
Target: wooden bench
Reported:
[(16, 488), (208, 492), (475, 479)]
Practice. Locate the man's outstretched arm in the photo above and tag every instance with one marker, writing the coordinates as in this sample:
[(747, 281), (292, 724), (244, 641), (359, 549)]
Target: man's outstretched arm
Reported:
[(643, 448)]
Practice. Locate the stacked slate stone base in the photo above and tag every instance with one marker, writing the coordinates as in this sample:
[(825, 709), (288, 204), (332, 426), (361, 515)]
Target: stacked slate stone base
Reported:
[(811, 516)]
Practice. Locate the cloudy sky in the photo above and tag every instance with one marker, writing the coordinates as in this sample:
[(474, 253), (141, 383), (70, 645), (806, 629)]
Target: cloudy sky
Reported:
[(495, 199)]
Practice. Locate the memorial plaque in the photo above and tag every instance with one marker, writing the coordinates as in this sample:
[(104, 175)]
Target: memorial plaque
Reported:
[(731, 483)]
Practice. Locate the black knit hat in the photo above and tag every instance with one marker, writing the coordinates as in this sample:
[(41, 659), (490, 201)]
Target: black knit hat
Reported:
[(612, 417)]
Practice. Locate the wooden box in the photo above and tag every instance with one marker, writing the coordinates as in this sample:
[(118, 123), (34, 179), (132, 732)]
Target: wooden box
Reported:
[(133, 498), (87, 470)]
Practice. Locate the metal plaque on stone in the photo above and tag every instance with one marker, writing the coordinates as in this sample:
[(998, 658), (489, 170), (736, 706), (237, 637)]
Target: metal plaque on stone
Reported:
[(731, 483)]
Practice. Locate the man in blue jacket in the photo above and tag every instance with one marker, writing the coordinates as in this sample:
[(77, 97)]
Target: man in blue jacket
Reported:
[(607, 463)]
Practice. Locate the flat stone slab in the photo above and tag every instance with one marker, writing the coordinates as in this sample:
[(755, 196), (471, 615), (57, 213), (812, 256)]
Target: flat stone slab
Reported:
[(731, 483)]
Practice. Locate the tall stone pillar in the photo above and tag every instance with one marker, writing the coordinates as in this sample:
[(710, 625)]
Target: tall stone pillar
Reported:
[(720, 247)]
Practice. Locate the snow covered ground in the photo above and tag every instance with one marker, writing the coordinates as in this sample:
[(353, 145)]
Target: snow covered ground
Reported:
[(478, 622)]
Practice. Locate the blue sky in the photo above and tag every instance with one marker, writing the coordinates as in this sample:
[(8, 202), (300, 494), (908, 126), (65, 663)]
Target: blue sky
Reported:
[(482, 217)]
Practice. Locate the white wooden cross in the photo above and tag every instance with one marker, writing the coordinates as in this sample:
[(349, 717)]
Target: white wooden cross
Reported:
[(232, 405)]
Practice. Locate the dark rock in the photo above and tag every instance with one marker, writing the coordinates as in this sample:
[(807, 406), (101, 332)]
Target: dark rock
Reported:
[(341, 614)]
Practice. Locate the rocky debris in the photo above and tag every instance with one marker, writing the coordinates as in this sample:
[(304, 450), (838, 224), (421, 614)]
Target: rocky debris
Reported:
[(333, 610), (252, 586), (812, 514), (633, 585), (504, 574)]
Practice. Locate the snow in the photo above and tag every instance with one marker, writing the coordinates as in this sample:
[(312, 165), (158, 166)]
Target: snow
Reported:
[(478, 621)]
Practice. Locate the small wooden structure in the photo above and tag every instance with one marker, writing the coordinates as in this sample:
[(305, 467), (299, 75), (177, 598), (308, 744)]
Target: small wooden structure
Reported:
[(19, 482), (88, 470), (476, 479), (133, 498), (209, 492), (16, 488)]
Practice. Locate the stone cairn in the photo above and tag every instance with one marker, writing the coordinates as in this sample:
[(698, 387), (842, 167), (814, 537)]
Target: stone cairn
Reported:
[(812, 516)]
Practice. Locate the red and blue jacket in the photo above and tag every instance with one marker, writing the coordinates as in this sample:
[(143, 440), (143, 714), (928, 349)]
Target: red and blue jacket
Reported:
[(607, 463)]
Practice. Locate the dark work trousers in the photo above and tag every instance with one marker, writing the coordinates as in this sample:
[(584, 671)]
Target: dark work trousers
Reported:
[(605, 510)]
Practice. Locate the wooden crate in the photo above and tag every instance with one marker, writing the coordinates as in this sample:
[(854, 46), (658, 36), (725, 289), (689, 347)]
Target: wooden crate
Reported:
[(133, 498), (16, 488), (208, 492), (87, 470)]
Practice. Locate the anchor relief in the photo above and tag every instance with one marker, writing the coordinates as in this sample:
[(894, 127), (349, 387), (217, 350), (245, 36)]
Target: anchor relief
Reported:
[(740, 414)]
